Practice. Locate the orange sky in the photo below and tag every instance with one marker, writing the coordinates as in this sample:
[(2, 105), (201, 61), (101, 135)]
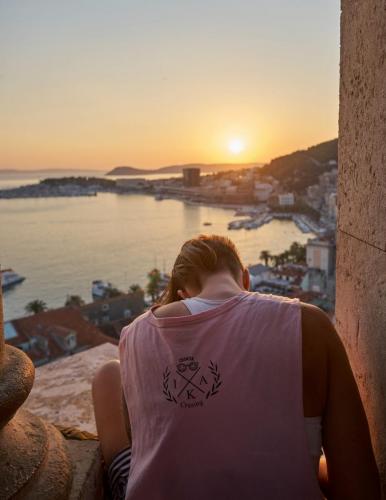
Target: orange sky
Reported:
[(95, 87)]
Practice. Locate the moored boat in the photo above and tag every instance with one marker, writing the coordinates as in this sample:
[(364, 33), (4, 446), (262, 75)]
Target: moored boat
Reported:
[(10, 278), (100, 288)]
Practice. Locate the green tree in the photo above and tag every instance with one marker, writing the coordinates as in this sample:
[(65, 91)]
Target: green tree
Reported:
[(36, 306), (135, 288), (153, 285), (74, 301), (265, 256), (298, 252), (285, 257)]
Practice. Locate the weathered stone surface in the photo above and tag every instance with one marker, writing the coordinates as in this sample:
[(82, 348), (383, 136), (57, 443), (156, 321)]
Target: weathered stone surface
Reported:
[(361, 322), (361, 245), (34, 462), (53, 479), (362, 121), (17, 376), (62, 389), (87, 466), (23, 447)]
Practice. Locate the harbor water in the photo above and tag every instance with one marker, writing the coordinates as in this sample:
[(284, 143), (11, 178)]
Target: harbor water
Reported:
[(61, 245)]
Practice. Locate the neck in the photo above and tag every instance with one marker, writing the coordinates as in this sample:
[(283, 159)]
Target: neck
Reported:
[(219, 286)]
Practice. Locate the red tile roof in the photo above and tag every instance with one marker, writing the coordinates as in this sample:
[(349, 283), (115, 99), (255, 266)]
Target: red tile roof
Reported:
[(60, 321)]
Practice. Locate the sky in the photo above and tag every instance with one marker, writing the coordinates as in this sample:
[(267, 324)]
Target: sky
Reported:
[(94, 83)]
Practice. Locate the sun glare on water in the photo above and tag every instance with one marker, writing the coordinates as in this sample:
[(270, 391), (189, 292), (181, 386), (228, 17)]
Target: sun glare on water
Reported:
[(236, 146)]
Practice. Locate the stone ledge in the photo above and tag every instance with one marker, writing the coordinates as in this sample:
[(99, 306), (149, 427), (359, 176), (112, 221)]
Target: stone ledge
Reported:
[(87, 468), (61, 392)]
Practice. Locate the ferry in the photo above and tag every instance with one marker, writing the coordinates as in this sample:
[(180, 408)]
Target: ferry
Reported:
[(9, 278), (99, 289)]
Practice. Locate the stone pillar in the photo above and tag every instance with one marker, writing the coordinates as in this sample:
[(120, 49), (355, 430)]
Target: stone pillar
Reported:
[(34, 463), (361, 235)]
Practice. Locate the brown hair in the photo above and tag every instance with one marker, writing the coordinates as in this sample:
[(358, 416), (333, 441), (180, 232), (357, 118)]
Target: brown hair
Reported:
[(201, 255)]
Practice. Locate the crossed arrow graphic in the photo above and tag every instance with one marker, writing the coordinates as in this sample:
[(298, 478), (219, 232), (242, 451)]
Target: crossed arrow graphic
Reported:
[(189, 382)]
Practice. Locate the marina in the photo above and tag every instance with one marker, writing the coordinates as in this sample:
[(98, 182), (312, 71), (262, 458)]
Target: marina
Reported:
[(304, 223)]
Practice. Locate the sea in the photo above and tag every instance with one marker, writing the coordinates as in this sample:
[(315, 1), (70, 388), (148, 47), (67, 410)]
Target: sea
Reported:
[(60, 245)]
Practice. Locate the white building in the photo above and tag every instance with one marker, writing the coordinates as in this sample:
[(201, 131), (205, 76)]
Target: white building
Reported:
[(286, 199), (320, 254), (332, 206), (259, 273), (262, 191)]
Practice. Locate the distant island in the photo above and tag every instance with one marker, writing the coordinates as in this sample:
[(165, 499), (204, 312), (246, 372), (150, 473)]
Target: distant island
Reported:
[(177, 169)]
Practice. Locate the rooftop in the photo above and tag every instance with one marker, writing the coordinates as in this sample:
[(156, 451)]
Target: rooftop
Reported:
[(41, 326)]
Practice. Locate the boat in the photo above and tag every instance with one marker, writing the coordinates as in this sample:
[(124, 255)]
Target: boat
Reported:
[(235, 224), (207, 223), (9, 278), (100, 288)]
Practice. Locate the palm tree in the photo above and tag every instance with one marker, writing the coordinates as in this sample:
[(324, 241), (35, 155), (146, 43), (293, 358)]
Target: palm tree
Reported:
[(36, 306), (74, 301), (265, 256), (285, 256), (298, 252), (153, 285)]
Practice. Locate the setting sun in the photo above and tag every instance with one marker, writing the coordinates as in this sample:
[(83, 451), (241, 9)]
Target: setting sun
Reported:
[(236, 146)]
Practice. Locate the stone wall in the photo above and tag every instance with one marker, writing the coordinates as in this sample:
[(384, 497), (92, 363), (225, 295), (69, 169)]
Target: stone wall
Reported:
[(361, 238)]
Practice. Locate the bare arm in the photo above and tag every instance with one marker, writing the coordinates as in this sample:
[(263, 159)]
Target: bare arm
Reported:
[(352, 470)]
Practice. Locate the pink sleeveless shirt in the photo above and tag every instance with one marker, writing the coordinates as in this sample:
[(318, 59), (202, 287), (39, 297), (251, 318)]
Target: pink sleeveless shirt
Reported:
[(215, 403)]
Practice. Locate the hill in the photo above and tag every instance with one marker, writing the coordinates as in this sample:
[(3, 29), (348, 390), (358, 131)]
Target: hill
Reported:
[(177, 169), (302, 168)]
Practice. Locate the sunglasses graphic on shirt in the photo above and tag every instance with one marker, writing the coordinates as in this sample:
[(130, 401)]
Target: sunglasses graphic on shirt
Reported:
[(193, 365)]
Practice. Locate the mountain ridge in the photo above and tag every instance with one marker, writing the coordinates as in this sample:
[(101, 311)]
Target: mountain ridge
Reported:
[(174, 169)]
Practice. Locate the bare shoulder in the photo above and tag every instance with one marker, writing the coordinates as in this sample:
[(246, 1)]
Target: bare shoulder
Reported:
[(171, 310), (318, 329)]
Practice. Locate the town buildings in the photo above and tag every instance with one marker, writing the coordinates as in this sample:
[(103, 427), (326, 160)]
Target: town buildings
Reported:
[(320, 254), (262, 191), (191, 176), (53, 334), (111, 315), (286, 199)]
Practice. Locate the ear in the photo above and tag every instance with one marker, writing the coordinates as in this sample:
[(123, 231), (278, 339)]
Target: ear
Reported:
[(183, 294), (246, 279)]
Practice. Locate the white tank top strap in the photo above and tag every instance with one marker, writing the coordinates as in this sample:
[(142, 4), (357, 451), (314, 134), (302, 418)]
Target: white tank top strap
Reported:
[(197, 305)]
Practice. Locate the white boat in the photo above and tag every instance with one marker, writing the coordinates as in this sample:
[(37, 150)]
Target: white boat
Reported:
[(99, 289), (235, 224), (10, 278)]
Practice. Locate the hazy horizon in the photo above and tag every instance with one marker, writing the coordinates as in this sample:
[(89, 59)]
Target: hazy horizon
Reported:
[(92, 86)]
